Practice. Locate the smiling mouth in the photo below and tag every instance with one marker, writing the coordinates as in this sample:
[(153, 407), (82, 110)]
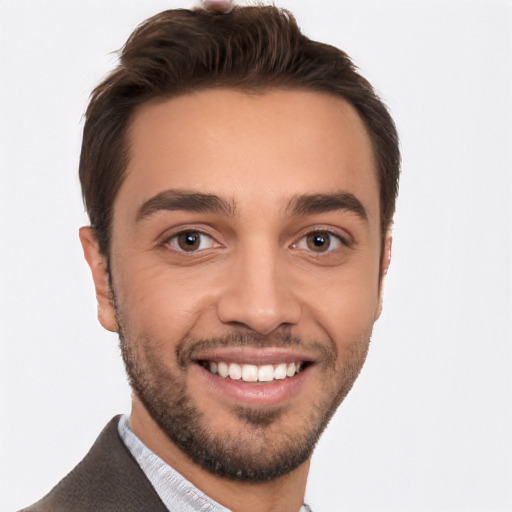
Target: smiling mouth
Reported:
[(254, 373)]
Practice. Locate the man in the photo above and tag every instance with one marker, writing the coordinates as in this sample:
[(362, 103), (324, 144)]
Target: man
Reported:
[(240, 181)]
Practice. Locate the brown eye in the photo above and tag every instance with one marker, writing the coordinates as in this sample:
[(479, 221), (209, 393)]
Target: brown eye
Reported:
[(191, 241), (188, 241), (319, 242)]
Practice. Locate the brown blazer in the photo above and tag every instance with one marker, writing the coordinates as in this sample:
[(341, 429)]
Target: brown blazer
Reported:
[(107, 480)]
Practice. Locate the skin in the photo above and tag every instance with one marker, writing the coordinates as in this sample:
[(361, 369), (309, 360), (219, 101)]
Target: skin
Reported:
[(217, 6), (256, 272)]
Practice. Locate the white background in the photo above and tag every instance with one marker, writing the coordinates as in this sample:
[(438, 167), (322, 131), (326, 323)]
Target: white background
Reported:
[(428, 426)]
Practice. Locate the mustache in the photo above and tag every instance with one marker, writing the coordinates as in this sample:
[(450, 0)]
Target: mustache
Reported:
[(189, 347)]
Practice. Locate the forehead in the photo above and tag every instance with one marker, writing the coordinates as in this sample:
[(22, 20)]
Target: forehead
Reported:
[(240, 146)]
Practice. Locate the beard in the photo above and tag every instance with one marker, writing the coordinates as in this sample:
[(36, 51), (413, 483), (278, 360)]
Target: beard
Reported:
[(264, 447)]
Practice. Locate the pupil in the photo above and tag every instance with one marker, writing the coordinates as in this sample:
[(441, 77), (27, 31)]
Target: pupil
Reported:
[(319, 240), (188, 241)]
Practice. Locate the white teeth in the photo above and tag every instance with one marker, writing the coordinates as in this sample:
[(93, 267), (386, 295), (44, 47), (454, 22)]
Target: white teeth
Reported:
[(254, 373), (235, 371), (222, 369), (280, 371), (290, 369), (249, 373), (266, 373)]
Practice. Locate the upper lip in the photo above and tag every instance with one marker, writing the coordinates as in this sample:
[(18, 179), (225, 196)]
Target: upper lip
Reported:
[(246, 355)]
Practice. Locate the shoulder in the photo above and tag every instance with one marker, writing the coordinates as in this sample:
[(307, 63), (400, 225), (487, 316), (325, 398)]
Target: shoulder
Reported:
[(107, 479)]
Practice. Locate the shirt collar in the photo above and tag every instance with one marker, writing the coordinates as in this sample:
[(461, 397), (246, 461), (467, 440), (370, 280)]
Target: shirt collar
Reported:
[(175, 491)]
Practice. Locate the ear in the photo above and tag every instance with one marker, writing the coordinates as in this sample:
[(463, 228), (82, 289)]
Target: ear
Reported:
[(98, 265), (385, 261)]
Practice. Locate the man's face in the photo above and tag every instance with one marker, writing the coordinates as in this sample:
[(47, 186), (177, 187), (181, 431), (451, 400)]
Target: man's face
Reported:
[(245, 240)]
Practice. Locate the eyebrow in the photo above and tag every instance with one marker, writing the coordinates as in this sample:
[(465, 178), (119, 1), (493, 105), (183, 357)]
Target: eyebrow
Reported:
[(185, 200), (192, 201), (310, 204)]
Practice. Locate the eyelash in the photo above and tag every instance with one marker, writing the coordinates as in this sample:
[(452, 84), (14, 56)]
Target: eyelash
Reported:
[(173, 240), (326, 233), (301, 244)]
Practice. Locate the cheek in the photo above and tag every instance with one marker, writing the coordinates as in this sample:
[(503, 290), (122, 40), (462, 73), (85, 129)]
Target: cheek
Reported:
[(345, 305), (160, 301)]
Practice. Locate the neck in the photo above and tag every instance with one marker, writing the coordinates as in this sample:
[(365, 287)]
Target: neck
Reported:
[(283, 494)]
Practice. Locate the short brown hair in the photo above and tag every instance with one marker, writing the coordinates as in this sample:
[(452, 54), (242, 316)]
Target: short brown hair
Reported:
[(251, 48)]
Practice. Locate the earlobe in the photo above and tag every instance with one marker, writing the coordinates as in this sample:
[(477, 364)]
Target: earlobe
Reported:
[(384, 267), (99, 269)]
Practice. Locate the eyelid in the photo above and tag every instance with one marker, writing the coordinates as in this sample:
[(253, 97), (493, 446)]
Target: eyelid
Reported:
[(172, 234), (344, 238)]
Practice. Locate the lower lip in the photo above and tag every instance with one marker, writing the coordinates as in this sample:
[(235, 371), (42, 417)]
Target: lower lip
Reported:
[(257, 393)]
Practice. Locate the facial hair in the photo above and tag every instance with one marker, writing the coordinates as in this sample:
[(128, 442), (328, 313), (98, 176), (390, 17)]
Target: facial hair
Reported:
[(264, 449)]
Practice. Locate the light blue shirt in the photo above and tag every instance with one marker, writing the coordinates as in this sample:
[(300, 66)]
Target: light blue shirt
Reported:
[(175, 491)]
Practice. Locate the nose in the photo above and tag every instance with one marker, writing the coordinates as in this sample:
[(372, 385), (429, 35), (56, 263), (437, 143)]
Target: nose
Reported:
[(258, 293)]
